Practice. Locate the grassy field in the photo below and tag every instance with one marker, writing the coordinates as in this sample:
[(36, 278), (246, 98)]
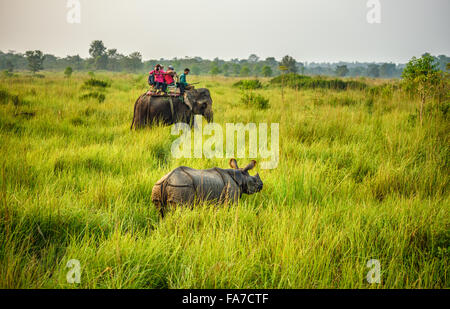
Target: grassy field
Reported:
[(359, 178)]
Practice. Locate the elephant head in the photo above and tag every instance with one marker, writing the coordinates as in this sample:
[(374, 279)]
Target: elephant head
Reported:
[(200, 102)]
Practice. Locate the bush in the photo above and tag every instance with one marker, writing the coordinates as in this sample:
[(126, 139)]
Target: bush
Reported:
[(342, 101), (385, 91), (93, 95), (249, 84), (68, 72), (77, 121), (444, 107), (95, 83), (6, 73), (4, 96), (369, 102), (161, 152), (252, 99), (307, 82)]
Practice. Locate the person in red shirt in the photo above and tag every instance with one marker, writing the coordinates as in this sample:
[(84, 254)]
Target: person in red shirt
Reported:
[(151, 77), (160, 78), (170, 76)]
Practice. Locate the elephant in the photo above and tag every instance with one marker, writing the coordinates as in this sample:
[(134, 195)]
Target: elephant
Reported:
[(152, 109), (185, 186)]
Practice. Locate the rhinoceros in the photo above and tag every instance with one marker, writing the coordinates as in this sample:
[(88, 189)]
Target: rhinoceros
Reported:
[(185, 185)]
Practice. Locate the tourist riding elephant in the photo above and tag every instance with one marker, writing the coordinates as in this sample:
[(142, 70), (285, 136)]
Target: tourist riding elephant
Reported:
[(169, 110)]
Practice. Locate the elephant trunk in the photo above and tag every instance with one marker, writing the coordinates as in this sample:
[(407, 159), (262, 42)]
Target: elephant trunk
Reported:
[(209, 116)]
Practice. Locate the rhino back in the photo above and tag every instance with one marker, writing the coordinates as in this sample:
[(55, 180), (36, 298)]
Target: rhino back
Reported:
[(173, 188), (213, 184)]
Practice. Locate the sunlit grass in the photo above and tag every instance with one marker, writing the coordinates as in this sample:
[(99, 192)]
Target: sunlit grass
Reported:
[(357, 180)]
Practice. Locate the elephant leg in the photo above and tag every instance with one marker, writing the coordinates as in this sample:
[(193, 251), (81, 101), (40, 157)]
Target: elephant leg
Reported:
[(148, 114), (145, 114), (136, 104), (134, 115)]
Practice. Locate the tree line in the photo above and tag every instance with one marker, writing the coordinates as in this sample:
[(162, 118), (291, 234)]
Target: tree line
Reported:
[(102, 58)]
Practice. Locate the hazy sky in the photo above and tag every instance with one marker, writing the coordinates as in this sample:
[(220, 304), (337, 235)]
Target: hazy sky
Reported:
[(308, 30)]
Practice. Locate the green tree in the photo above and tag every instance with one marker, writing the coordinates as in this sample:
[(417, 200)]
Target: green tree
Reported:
[(97, 49), (443, 62), (68, 72), (50, 62), (341, 70), (387, 69), (257, 69), (114, 59), (373, 70), (111, 52), (76, 62), (101, 62), (134, 61), (289, 63), (35, 60), (284, 70), (267, 71), (253, 58), (422, 77), (9, 66), (225, 69), (245, 71), (302, 67), (271, 61), (214, 69), (196, 70), (236, 68), (357, 71)]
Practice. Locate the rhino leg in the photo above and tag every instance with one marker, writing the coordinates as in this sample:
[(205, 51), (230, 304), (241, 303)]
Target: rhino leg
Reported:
[(230, 194), (180, 195), (169, 197)]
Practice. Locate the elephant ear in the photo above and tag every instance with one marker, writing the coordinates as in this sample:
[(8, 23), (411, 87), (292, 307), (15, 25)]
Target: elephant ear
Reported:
[(187, 101), (233, 164)]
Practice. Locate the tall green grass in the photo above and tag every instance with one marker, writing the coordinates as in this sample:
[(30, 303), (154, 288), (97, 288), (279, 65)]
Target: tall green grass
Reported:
[(358, 179)]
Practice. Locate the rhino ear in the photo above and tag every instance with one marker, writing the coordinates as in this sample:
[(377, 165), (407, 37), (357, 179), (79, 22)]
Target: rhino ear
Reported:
[(250, 166), (234, 164)]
